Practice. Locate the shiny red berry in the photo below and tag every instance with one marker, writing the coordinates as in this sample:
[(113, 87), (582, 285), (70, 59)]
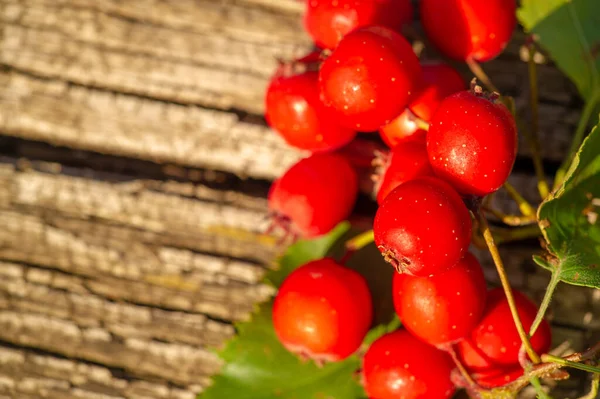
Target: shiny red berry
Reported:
[(404, 162), (295, 111), (472, 142), (402, 128), (439, 81), (463, 29), (423, 227), (495, 378), (369, 77), (398, 365), (314, 195), (323, 311), (444, 308), (495, 342), (328, 21)]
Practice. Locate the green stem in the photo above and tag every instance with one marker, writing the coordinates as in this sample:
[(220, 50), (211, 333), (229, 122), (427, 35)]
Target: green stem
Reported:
[(533, 136), (360, 241), (554, 280), (568, 363), (589, 108), (511, 220), (518, 234), (489, 239), (524, 206), (541, 394)]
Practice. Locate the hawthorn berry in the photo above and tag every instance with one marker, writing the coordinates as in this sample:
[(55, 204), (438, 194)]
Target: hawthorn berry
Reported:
[(323, 311), (314, 195), (472, 142), (495, 342), (293, 109), (402, 128), (469, 29), (444, 308), (398, 365), (498, 377), (423, 227), (403, 163), (369, 77), (328, 21), (439, 81)]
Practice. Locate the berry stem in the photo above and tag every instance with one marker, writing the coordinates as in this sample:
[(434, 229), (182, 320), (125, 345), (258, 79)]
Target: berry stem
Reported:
[(480, 74), (541, 394), (511, 220), (588, 110), (473, 386), (360, 241), (532, 136), (524, 206), (593, 393), (489, 239), (568, 363), (503, 236), (549, 369)]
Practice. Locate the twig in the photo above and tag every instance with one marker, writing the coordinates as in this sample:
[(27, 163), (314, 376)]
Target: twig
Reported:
[(489, 239)]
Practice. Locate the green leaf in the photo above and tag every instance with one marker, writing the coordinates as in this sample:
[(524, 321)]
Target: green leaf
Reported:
[(304, 251), (568, 30), (259, 367), (570, 219)]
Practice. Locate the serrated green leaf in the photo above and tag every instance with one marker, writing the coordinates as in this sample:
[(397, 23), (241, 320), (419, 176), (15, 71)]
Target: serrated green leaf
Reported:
[(568, 30), (570, 220), (304, 251), (259, 367)]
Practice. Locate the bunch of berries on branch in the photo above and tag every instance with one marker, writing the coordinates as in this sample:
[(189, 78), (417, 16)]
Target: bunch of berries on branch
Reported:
[(450, 145)]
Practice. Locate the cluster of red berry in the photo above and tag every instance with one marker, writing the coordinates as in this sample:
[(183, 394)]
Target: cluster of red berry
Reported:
[(448, 146)]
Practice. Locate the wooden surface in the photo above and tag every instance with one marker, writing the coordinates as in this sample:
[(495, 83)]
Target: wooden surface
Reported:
[(133, 169)]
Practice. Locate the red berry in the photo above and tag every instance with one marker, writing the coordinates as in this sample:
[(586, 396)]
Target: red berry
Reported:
[(399, 365), (405, 162), (295, 111), (472, 143), (423, 227), (402, 128), (323, 311), (463, 29), (444, 308), (495, 342), (497, 377), (369, 77), (328, 21), (439, 81), (314, 195)]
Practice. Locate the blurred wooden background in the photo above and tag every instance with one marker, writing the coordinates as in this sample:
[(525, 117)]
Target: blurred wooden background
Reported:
[(134, 163)]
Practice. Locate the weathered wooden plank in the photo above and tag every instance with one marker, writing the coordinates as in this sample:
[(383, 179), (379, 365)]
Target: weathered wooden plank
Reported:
[(119, 124), (26, 374)]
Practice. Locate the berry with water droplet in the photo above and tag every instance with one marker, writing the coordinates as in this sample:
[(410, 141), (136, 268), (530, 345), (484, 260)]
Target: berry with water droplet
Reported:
[(398, 365), (423, 227), (314, 195), (369, 78), (444, 308), (328, 21), (323, 311)]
